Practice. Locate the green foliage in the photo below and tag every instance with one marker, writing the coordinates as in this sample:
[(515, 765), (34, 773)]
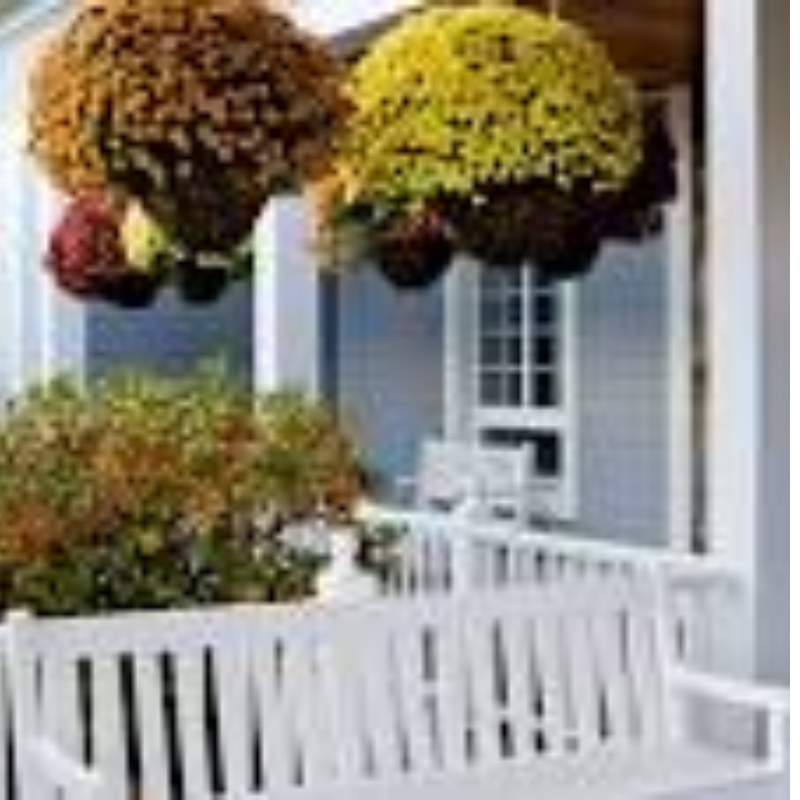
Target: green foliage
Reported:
[(139, 491), (153, 568)]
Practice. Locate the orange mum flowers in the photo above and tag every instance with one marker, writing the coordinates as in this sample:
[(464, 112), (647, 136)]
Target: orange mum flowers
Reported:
[(200, 109)]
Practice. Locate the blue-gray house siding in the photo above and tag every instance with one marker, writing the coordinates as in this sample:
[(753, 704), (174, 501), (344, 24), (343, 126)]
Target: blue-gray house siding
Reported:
[(172, 337), (389, 374), (389, 367), (623, 416)]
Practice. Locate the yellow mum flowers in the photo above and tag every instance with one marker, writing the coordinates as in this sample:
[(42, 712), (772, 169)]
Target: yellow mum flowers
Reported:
[(453, 100), (497, 131)]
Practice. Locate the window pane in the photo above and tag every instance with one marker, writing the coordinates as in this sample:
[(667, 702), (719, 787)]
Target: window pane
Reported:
[(544, 390), (511, 280), (548, 455), (491, 388), (519, 343), (491, 351), (544, 351), (514, 383), (492, 317), (514, 351), (544, 309)]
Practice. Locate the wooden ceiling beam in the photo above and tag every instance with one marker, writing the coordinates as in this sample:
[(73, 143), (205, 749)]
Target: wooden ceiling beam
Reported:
[(660, 42)]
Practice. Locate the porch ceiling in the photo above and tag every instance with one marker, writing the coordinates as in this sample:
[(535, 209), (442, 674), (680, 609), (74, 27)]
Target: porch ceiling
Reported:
[(658, 41)]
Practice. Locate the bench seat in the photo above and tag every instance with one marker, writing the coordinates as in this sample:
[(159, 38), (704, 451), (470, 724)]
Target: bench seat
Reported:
[(667, 773)]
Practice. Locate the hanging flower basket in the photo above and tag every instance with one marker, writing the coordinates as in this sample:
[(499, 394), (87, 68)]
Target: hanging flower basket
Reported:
[(87, 259), (204, 279), (415, 252), (200, 109), (411, 251), (513, 125)]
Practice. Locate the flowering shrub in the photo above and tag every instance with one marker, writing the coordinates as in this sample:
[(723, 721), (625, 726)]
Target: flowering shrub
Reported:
[(307, 462), (454, 100), (201, 109), (144, 491)]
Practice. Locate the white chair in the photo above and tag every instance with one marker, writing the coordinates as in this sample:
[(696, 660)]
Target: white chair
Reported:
[(474, 477)]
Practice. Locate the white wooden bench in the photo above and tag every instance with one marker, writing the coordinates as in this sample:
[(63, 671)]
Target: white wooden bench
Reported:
[(520, 694)]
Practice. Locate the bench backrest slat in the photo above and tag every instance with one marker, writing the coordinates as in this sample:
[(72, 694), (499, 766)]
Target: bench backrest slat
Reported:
[(151, 713), (108, 731), (275, 699)]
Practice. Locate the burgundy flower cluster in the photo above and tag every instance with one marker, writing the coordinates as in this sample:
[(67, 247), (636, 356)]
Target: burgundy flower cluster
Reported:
[(87, 259)]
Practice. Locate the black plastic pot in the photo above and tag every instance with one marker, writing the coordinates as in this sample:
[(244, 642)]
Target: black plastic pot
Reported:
[(201, 285), (573, 262), (130, 291), (413, 259)]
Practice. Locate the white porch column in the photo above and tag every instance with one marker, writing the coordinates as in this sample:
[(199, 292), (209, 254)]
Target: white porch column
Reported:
[(11, 278), (41, 330), (287, 306), (680, 249), (743, 307)]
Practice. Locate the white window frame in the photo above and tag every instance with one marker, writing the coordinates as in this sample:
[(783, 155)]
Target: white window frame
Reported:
[(465, 418)]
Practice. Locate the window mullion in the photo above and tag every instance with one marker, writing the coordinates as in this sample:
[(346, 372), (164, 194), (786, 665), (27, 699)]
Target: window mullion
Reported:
[(526, 318)]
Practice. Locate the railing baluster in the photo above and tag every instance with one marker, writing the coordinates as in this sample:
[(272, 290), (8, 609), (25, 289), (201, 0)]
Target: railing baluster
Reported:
[(443, 553)]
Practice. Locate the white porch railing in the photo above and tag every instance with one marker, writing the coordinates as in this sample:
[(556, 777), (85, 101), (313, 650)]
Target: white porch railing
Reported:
[(5, 723), (442, 553)]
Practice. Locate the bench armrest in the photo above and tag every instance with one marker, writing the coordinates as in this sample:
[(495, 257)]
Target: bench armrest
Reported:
[(735, 691), (772, 702), (57, 770)]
